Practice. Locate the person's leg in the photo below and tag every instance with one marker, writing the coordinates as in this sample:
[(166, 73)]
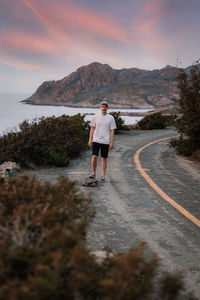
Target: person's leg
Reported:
[(104, 155), (103, 166), (95, 152), (94, 164)]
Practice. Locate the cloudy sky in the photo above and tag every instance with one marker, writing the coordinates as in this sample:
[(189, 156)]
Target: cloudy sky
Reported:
[(48, 39)]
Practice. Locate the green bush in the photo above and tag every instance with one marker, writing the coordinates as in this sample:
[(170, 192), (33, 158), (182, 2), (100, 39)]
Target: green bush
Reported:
[(47, 141), (44, 255), (154, 121), (188, 121), (120, 123)]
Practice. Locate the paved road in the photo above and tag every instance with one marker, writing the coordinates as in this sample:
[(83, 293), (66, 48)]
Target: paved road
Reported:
[(129, 210)]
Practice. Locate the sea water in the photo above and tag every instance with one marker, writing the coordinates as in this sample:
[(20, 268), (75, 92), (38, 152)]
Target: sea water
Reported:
[(13, 112)]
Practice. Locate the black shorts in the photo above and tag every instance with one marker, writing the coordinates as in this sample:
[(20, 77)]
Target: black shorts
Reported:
[(104, 149)]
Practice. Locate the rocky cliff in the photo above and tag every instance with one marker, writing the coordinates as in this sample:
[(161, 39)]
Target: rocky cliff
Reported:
[(124, 88)]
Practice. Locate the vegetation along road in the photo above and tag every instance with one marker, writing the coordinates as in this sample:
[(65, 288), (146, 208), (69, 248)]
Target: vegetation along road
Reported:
[(128, 209)]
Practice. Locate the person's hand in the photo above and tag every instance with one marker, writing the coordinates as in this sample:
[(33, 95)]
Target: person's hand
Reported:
[(110, 146), (90, 144)]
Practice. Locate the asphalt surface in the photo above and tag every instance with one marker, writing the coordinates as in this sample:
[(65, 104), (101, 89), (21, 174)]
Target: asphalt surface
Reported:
[(128, 210)]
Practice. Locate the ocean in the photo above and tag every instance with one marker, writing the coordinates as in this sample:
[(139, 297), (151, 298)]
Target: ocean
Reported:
[(13, 112)]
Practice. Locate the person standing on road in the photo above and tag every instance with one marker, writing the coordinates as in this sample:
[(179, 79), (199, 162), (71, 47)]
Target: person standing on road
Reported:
[(101, 137)]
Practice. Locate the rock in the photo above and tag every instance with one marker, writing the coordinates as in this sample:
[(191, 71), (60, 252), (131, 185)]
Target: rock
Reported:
[(101, 255), (6, 169)]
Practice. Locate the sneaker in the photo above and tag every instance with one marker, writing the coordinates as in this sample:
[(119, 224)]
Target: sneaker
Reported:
[(102, 179), (92, 175)]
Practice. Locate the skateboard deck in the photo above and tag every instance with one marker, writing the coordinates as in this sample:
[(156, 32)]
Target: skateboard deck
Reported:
[(89, 182)]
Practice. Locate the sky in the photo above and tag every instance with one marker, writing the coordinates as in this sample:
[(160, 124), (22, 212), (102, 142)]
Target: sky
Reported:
[(43, 40)]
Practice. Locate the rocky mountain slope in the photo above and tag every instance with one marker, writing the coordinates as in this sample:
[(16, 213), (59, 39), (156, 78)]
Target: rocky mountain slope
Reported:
[(124, 88)]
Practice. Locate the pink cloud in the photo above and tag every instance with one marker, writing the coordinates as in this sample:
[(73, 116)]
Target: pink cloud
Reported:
[(147, 25), (25, 51), (61, 31), (69, 32), (151, 6), (21, 64), (23, 42), (66, 19)]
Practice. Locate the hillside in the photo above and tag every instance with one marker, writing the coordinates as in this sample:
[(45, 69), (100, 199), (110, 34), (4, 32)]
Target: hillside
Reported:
[(124, 88)]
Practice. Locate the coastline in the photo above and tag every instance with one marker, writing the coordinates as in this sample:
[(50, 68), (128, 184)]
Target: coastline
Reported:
[(13, 111), (167, 110), (85, 106)]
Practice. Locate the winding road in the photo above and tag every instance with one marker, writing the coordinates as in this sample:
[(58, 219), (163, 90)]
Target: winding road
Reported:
[(132, 204)]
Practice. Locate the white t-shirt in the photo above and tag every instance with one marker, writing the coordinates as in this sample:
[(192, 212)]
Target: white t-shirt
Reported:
[(103, 124)]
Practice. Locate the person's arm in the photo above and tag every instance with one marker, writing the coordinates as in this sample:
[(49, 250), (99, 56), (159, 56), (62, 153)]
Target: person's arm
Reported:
[(91, 135), (112, 133)]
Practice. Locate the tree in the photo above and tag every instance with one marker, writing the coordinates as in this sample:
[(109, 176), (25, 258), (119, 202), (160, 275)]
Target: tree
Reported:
[(188, 121)]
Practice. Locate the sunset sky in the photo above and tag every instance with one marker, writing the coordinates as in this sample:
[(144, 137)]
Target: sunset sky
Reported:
[(48, 39)]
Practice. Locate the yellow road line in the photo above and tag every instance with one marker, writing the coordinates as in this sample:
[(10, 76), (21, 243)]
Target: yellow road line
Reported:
[(182, 210)]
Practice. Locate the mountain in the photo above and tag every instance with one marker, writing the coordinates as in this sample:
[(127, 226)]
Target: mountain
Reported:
[(124, 88)]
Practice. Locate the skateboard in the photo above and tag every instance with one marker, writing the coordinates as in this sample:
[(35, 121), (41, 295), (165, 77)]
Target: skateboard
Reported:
[(89, 182)]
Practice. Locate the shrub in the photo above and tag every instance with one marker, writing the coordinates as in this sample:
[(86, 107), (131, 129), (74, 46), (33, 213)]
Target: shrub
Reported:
[(47, 141), (184, 146), (43, 253), (120, 123), (188, 122), (42, 240), (154, 121)]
